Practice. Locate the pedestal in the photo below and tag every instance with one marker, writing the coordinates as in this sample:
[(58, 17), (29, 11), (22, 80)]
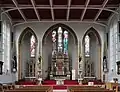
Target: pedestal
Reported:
[(80, 81), (40, 81)]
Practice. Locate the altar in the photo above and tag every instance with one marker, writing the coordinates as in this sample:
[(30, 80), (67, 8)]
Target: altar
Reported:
[(60, 67), (59, 81)]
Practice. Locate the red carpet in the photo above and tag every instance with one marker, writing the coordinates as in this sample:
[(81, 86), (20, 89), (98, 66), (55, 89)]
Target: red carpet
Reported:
[(71, 82), (60, 87), (49, 82), (66, 82)]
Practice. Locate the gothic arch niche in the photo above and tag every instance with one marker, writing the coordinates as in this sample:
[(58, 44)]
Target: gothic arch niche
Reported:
[(92, 54), (47, 47), (27, 53)]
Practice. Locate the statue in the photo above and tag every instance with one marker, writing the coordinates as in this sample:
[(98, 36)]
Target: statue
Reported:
[(39, 59), (105, 64), (80, 58), (14, 64), (39, 63)]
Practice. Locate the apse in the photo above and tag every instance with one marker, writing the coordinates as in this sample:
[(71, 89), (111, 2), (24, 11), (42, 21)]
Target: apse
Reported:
[(59, 41)]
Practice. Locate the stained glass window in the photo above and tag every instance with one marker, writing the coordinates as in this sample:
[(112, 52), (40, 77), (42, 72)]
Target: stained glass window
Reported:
[(32, 46), (65, 42), (114, 56), (87, 46), (54, 42), (60, 41)]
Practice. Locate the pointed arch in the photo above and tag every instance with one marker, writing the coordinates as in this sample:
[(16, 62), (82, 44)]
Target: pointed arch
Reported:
[(70, 30), (94, 31), (66, 46), (94, 54), (25, 31)]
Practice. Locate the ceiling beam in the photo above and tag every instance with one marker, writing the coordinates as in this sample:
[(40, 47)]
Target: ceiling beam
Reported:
[(68, 10), (51, 7), (7, 14), (36, 12), (72, 7), (84, 11), (94, 22), (64, 6), (15, 3), (98, 14)]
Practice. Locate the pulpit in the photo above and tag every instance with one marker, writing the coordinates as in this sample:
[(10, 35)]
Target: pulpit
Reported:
[(60, 67)]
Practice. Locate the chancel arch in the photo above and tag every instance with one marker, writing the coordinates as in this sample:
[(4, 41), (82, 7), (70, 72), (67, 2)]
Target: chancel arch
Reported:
[(92, 54), (59, 52), (27, 54)]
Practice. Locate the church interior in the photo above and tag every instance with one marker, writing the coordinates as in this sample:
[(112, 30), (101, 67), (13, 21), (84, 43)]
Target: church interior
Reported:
[(59, 45)]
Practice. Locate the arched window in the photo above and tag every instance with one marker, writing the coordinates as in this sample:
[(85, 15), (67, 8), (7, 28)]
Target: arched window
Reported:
[(113, 45), (6, 46), (87, 46), (32, 46), (60, 41)]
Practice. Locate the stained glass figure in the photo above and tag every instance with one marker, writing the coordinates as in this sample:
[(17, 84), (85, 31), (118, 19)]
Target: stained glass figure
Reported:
[(60, 39), (54, 42), (65, 42), (32, 46), (87, 46)]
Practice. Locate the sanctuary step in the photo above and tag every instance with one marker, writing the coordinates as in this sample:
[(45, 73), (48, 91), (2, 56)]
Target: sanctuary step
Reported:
[(49, 82), (71, 82)]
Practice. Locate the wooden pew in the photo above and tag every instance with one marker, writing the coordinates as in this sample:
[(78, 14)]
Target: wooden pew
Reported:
[(26, 91), (87, 89), (32, 89), (1, 88)]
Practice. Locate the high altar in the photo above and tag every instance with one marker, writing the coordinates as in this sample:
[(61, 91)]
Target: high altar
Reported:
[(60, 66)]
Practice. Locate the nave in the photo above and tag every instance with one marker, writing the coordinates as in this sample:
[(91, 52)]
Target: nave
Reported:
[(60, 45)]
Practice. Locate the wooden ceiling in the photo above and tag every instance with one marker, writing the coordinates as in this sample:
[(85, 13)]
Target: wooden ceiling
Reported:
[(59, 10)]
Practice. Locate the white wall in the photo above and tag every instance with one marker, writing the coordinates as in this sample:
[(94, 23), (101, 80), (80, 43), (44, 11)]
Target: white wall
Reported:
[(112, 64), (7, 77), (41, 28)]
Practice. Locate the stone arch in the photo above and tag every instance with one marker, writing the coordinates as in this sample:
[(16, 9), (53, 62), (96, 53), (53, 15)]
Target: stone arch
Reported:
[(62, 25), (47, 47), (95, 52), (28, 29), (26, 34), (94, 31)]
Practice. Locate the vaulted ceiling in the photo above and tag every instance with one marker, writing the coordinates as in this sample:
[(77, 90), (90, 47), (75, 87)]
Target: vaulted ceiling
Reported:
[(97, 11)]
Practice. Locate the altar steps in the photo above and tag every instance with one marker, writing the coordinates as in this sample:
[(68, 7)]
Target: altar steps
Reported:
[(71, 82), (49, 82)]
